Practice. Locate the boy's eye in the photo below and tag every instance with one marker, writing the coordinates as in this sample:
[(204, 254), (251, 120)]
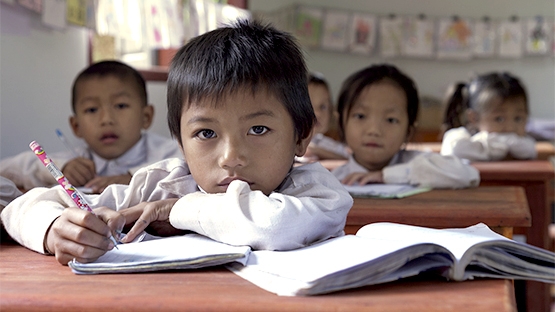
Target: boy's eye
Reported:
[(358, 116), (90, 110), (519, 119), (205, 134), (393, 120), (499, 119), (258, 130), (122, 105)]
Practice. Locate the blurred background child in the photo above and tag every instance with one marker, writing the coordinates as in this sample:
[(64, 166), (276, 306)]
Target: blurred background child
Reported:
[(486, 119), (110, 113), (322, 146), (377, 107)]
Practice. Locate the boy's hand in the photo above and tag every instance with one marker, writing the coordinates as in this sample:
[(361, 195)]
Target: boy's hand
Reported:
[(362, 178), (98, 184), (81, 235), (155, 213), (79, 171)]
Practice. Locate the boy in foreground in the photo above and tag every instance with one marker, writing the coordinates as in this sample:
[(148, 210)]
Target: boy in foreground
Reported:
[(238, 105)]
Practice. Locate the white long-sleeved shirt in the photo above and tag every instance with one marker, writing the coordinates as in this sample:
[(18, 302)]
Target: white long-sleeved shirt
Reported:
[(421, 169), (487, 146), (310, 205), (27, 171)]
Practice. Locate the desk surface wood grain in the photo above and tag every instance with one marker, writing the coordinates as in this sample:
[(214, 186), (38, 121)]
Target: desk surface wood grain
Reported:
[(30, 281), (497, 207)]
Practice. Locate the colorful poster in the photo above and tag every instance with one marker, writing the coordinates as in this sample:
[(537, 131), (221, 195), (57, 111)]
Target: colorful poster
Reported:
[(537, 36), (391, 36), (484, 38), (308, 26), (76, 12), (362, 33), (418, 37), (335, 27), (510, 37), (454, 39)]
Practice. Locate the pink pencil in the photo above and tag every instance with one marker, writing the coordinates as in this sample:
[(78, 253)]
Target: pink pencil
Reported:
[(62, 180)]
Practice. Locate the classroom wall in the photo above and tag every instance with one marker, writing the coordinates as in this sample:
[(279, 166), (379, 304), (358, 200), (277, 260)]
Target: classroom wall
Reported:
[(434, 76), (38, 64)]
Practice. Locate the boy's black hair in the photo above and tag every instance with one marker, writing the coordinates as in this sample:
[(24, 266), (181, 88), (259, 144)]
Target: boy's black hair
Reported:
[(356, 82), (477, 95), (246, 54), (110, 68)]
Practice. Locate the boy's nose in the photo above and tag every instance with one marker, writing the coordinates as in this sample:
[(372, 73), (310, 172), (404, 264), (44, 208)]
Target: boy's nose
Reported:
[(232, 154), (106, 117), (372, 127)]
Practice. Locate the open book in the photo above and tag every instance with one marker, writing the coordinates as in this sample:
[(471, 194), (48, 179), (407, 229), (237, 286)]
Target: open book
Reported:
[(189, 251), (384, 190), (384, 252)]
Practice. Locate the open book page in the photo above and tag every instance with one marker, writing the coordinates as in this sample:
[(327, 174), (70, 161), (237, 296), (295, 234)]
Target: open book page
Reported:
[(177, 252), (337, 264), (479, 251), (385, 190)]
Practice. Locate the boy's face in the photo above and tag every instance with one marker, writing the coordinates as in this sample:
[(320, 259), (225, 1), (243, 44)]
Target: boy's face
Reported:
[(377, 125), (246, 137), (321, 103), (109, 115), (507, 116)]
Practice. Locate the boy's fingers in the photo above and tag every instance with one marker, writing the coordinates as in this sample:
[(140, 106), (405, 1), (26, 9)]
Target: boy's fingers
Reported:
[(139, 226)]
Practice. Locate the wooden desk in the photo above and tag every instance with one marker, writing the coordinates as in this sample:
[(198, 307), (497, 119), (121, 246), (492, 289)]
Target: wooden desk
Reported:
[(545, 149), (30, 281), (536, 176), (501, 208)]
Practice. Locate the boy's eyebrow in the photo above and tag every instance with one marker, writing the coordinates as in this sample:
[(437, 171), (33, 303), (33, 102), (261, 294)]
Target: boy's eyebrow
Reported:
[(94, 98), (263, 112)]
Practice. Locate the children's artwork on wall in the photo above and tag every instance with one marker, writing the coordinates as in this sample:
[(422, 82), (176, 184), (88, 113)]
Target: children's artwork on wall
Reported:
[(418, 37), (76, 12), (510, 38), (537, 36), (454, 39), (362, 33), (391, 36), (308, 26), (156, 25), (107, 19), (334, 33), (53, 13), (484, 38)]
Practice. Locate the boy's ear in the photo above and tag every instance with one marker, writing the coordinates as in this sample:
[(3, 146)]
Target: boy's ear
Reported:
[(148, 116), (302, 145), (410, 132), (75, 126)]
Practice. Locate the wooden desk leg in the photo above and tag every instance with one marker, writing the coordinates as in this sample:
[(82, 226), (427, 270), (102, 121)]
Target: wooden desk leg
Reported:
[(506, 231)]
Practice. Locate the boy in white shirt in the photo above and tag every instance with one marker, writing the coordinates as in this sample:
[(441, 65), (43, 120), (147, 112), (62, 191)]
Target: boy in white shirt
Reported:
[(110, 113), (238, 105)]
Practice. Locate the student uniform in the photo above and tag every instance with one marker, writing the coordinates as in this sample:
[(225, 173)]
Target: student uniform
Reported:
[(27, 171), (310, 205), (420, 168), (484, 146), (8, 192)]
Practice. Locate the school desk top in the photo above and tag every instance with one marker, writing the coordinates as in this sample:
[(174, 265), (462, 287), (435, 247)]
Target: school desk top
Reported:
[(30, 281), (501, 208)]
